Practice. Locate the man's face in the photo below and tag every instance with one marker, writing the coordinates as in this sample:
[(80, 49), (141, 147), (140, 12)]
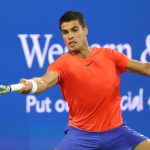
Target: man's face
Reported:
[(74, 35)]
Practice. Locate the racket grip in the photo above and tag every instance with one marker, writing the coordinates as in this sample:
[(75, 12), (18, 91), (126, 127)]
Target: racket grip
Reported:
[(15, 87)]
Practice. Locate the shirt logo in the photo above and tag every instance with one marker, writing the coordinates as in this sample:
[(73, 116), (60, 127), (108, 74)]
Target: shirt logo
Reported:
[(89, 63)]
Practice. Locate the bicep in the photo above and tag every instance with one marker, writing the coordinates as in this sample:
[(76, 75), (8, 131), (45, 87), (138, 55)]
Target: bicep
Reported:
[(138, 67)]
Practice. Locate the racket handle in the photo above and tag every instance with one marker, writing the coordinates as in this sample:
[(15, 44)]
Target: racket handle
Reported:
[(15, 87)]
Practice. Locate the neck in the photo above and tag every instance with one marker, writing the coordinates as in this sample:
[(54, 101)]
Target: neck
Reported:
[(83, 53)]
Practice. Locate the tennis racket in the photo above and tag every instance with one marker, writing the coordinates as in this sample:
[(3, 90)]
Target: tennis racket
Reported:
[(10, 88)]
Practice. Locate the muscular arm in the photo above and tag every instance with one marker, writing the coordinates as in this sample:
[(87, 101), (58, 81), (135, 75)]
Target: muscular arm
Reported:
[(43, 83), (138, 67)]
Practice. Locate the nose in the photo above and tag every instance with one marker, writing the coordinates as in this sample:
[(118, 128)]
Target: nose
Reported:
[(70, 35)]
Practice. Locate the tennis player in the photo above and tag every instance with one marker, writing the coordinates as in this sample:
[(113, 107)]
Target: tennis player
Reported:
[(89, 81)]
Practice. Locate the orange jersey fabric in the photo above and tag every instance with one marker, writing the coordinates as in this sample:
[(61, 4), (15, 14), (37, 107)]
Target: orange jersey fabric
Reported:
[(91, 86)]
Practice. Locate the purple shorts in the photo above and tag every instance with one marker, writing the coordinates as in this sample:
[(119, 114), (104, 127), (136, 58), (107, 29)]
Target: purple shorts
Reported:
[(120, 138)]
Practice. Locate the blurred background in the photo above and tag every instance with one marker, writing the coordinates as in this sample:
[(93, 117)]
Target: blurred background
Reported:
[(30, 40)]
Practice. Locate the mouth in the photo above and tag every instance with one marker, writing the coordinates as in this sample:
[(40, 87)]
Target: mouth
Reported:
[(72, 43)]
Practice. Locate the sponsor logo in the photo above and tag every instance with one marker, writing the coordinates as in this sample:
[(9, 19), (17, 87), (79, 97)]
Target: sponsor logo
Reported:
[(45, 106), (129, 102), (36, 51), (32, 48)]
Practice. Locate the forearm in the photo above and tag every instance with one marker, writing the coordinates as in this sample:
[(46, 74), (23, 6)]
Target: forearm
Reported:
[(43, 84), (39, 84), (138, 67)]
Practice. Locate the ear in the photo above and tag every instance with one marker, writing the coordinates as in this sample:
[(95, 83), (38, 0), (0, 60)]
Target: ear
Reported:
[(86, 30)]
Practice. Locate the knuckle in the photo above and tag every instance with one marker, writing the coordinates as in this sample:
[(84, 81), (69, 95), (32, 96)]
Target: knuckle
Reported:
[(22, 80)]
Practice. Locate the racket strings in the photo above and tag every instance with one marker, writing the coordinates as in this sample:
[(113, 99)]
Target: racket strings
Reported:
[(3, 89)]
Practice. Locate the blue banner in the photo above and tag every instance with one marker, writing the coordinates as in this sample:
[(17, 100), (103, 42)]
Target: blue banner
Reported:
[(30, 40)]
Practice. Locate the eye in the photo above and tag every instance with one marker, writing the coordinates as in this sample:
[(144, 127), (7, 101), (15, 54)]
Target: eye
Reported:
[(75, 30), (64, 32)]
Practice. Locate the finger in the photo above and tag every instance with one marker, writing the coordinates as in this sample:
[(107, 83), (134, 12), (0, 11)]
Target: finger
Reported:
[(23, 81)]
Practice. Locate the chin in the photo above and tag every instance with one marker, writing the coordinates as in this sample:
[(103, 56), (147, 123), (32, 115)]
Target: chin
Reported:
[(73, 49)]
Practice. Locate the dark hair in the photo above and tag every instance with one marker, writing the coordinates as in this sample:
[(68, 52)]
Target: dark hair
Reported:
[(72, 15)]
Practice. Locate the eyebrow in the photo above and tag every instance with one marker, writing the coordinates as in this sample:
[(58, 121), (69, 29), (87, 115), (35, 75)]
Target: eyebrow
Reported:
[(70, 29)]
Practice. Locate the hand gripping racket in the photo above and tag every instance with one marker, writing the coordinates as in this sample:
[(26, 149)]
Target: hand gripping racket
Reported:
[(10, 88)]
